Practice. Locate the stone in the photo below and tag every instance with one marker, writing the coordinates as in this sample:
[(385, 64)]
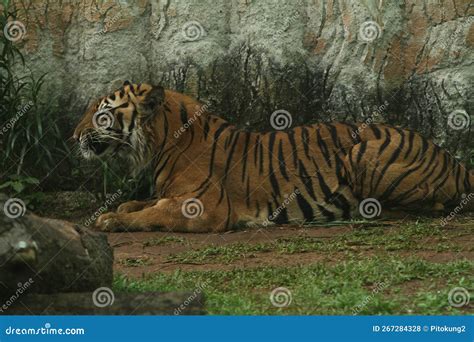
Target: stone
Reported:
[(320, 60), (41, 255), (150, 303)]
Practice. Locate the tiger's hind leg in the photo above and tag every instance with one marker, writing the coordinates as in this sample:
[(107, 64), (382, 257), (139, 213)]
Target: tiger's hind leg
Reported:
[(406, 172)]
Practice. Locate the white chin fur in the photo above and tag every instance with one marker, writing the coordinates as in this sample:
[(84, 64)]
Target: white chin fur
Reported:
[(88, 154)]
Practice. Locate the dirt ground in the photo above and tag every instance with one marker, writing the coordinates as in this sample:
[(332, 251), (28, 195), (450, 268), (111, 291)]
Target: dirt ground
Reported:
[(138, 254), (135, 256)]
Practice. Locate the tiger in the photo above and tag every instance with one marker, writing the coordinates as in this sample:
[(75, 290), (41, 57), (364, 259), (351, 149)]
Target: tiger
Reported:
[(211, 176)]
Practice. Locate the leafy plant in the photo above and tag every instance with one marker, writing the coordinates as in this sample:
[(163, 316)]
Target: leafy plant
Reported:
[(17, 183), (29, 134)]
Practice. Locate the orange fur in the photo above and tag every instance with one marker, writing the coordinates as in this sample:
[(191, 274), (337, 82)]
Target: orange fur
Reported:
[(234, 177)]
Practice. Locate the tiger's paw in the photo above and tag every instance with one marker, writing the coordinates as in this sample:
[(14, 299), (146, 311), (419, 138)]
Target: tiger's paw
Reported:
[(110, 222), (129, 207)]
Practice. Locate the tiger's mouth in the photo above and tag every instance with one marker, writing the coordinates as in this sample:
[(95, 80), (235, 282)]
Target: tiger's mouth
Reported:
[(93, 146)]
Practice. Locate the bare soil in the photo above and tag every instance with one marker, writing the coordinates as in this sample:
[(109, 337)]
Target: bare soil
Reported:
[(134, 247)]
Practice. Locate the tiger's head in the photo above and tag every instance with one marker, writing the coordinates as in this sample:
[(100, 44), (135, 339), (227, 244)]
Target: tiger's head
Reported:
[(113, 124)]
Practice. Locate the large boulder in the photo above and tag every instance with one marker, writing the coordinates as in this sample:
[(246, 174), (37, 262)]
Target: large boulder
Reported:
[(40, 255)]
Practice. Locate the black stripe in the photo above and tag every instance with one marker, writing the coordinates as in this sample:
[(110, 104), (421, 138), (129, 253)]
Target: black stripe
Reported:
[(217, 134), (165, 136), (281, 161), (362, 149), (376, 131), (231, 153), (443, 169), (305, 207), (386, 142), (221, 197), (467, 181), (245, 153), (306, 179), (335, 139), (324, 187), (434, 153), (273, 180), (324, 148), (391, 188), (255, 152), (411, 137), (204, 189), (183, 113), (270, 211), (457, 168), (158, 172), (291, 138), (340, 170), (329, 215), (392, 159), (424, 144), (305, 139), (206, 127)]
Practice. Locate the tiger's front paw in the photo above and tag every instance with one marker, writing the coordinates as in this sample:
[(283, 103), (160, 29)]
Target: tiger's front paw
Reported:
[(110, 222), (129, 207)]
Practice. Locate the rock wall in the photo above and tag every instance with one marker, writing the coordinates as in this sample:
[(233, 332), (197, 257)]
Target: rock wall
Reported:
[(403, 62)]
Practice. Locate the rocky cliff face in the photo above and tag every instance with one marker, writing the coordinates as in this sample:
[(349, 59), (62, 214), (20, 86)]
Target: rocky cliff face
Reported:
[(404, 62)]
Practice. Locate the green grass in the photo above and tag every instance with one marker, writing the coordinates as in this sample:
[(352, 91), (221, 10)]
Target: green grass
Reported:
[(164, 241), (364, 271), (408, 237), (135, 262), (410, 286)]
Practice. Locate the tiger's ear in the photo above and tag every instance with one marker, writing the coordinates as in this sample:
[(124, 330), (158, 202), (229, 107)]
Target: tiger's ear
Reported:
[(152, 101)]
